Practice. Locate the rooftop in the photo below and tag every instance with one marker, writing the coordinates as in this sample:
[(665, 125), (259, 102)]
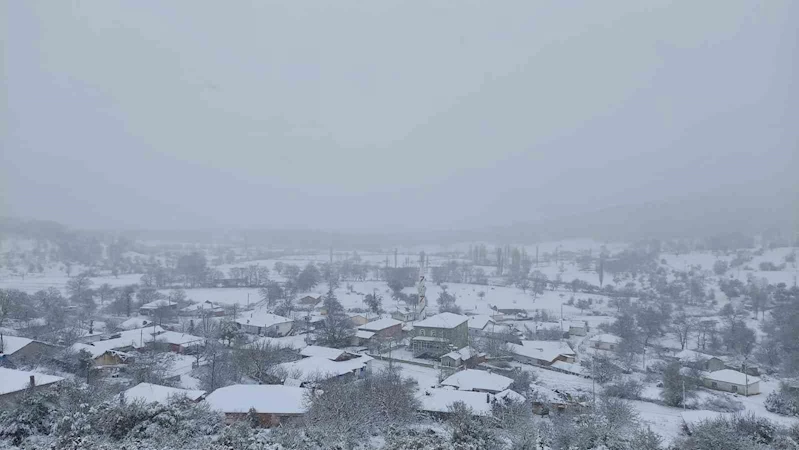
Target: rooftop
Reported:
[(542, 350), (264, 398), (439, 400), (479, 322), (12, 344), (732, 377), (378, 325), (158, 304), (149, 393), (317, 368), (606, 338), (261, 319), (443, 320), (470, 380), (18, 380), (322, 352), (173, 337)]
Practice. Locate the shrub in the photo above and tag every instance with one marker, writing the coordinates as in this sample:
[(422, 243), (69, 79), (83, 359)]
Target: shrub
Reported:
[(722, 403), (626, 389)]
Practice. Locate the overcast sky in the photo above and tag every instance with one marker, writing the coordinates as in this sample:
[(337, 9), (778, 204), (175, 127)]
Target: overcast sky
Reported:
[(389, 114)]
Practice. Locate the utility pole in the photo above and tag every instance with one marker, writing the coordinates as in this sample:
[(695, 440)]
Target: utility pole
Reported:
[(683, 394), (395, 257), (593, 382)]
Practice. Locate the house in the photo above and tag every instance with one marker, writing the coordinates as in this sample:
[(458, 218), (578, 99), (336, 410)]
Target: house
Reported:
[(19, 349), (103, 357), (273, 404), (478, 381), (178, 342), (404, 315), (204, 309), (126, 340), (605, 341), (377, 330), (261, 322), (467, 356), (155, 393), (314, 369), (547, 400), (135, 322), (333, 354), (542, 353), (715, 364), (439, 401), (14, 383), (732, 381), (440, 334), (358, 319), (308, 302), (575, 327), (480, 324), (158, 307)]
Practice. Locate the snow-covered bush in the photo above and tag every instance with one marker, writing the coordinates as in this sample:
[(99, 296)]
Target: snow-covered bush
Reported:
[(783, 402), (626, 389), (722, 403)]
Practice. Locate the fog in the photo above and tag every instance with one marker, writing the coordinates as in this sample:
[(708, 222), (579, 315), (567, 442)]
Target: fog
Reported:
[(386, 115)]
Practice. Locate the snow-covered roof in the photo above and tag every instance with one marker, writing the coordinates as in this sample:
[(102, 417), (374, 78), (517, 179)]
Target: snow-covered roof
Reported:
[(573, 324), (17, 380), (444, 320), (262, 319), (511, 395), (439, 400), (95, 351), (543, 350), (322, 352), (264, 398), (149, 393), (732, 377), (204, 306), (379, 325), (690, 355), (136, 338), (471, 380), (296, 342), (547, 395), (575, 369), (13, 344), (606, 338), (173, 337), (134, 322), (361, 334), (462, 354), (317, 368), (479, 322), (158, 304)]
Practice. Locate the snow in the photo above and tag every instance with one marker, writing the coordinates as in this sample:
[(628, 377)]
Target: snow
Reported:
[(317, 368), (444, 320), (322, 352), (477, 380), (606, 338), (574, 369), (379, 325), (479, 322), (731, 376), (361, 334), (136, 338), (17, 380), (135, 322), (181, 365), (264, 398), (94, 351), (175, 338), (425, 376), (296, 342), (158, 304), (511, 395), (149, 393), (439, 400), (13, 344), (262, 319), (543, 350)]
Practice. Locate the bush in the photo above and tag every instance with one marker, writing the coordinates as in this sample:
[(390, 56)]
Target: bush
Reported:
[(782, 401), (722, 403), (626, 389)]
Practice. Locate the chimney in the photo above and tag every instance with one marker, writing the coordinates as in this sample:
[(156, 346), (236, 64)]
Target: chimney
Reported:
[(32, 380)]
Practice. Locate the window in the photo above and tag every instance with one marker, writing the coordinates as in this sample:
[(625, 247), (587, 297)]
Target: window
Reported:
[(714, 385), (734, 388), (612, 347)]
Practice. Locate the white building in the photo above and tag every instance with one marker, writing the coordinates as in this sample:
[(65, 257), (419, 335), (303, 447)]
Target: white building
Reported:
[(478, 381), (264, 323), (732, 381), (542, 353), (605, 341)]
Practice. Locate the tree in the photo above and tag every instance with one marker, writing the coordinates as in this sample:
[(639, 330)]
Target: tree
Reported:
[(720, 267), (177, 296), (271, 293), (446, 303), (192, 267), (308, 278), (79, 286), (651, 322), (105, 291), (677, 388), (682, 327), (374, 302)]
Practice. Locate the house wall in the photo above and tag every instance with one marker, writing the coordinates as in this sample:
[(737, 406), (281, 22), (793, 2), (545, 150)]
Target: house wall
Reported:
[(392, 331), (281, 329), (577, 331), (107, 359), (12, 397), (754, 388), (450, 362), (604, 345)]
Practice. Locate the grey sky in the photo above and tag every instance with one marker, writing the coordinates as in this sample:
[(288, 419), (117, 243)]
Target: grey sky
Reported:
[(359, 114)]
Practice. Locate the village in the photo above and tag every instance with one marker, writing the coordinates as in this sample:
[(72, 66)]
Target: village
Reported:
[(556, 347)]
